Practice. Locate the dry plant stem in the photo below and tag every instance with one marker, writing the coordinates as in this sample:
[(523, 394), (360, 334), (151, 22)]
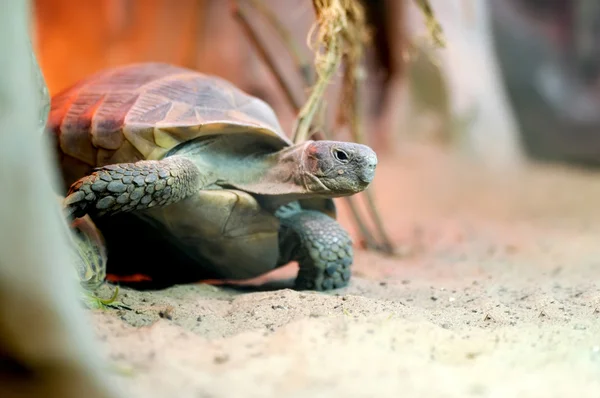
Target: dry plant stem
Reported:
[(308, 111), (433, 26), (352, 115), (329, 37), (368, 241), (321, 122), (348, 111), (387, 246), (293, 101), (260, 48)]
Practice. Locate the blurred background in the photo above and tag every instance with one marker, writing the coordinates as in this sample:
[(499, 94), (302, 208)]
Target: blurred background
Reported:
[(517, 80)]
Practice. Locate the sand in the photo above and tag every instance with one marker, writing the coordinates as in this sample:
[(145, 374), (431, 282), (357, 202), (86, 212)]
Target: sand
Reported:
[(494, 293)]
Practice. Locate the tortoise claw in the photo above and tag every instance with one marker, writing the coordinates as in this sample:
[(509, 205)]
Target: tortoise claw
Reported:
[(74, 205)]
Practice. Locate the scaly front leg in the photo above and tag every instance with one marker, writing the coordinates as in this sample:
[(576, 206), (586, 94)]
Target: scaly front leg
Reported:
[(132, 186), (321, 246)]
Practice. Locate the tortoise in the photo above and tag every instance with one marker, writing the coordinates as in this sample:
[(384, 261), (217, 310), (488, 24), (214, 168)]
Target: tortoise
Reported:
[(166, 159)]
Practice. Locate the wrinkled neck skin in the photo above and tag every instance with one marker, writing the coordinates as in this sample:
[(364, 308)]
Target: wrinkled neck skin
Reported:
[(286, 174), (245, 163), (286, 179)]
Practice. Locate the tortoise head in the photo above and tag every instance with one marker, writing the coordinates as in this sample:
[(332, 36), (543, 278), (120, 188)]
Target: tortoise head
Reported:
[(335, 168)]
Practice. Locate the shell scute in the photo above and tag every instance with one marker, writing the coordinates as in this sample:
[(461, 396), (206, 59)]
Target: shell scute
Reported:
[(109, 119), (153, 107)]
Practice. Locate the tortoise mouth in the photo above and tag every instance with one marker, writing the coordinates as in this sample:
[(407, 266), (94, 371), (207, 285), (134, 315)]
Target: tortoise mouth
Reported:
[(367, 172), (314, 184)]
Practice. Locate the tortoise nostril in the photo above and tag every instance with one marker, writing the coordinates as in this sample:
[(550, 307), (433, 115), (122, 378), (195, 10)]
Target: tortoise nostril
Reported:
[(371, 161)]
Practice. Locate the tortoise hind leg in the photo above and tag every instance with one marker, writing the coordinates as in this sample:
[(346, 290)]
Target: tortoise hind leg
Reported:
[(124, 187), (321, 246)]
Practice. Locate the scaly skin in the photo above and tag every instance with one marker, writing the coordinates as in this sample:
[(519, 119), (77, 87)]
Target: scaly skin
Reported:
[(321, 246), (125, 187)]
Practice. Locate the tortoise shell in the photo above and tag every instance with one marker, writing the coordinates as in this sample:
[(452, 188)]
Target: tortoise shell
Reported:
[(141, 111)]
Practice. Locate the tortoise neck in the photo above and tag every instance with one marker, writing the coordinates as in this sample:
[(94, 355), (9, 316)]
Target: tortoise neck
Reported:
[(245, 163), (281, 174)]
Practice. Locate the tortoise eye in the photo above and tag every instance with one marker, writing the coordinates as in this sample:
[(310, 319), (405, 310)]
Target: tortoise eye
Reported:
[(341, 155)]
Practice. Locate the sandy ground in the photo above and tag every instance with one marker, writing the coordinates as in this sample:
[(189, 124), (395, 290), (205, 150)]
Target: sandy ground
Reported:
[(494, 294)]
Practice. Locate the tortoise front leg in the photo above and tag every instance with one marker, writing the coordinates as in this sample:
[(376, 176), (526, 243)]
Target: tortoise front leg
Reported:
[(124, 187), (321, 246)]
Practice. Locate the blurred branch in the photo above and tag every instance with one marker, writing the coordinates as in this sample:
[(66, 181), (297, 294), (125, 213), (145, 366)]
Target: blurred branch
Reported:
[(243, 19), (269, 60), (431, 23), (340, 33), (303, 64)]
